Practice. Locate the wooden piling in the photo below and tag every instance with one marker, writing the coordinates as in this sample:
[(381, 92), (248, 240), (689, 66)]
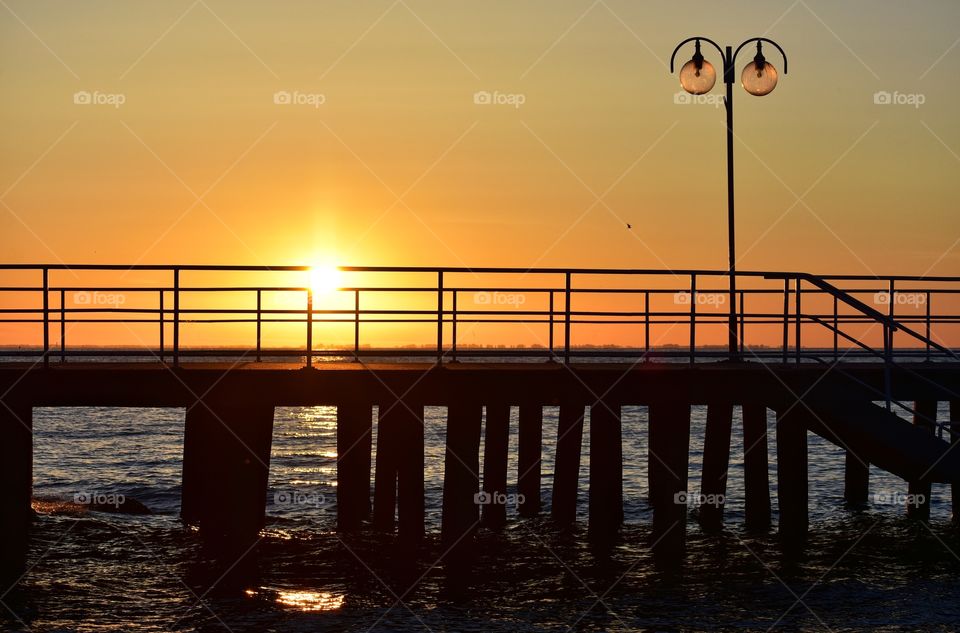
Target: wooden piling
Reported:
[(716, 462), (606, 472), (410, 463), (195, 468), (16, 470), (918, 499), (669, 447), (398, 482), (755, 467), (461, 476), (385, 473), (495, 448), (354, 430), (530, 422), (955, 439), (856, 479), (226, 464), (566, 470), (792, 478)]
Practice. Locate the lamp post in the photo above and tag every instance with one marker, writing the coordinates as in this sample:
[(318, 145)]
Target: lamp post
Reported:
[(759, 78)]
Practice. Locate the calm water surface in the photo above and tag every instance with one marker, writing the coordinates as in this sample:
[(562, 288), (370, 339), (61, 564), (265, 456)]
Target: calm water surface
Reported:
[(866, 569)]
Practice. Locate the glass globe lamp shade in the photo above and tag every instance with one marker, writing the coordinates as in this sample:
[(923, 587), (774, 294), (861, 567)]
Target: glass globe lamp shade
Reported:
[(759, 78), (698, 81)]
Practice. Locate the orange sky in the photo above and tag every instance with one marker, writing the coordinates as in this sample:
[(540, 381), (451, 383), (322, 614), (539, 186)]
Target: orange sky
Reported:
[(189, 153)]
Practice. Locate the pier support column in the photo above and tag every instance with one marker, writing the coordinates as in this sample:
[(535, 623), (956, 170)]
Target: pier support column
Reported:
[(16, 470), (495, 447), (354, 430), (528, 458), (918, 505), (398, 483), (792, 478), (669, 447), (755, 467), (566, 470), (461, 477), (716, 462), (606, 472), (385, 475), (226, 465), (955, 427), (856, 479)]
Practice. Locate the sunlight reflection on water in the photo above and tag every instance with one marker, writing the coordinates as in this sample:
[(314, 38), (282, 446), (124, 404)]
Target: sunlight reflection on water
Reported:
[(300, 599)]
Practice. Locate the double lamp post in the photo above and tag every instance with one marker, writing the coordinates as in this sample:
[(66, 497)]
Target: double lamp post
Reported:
[(759, 78)]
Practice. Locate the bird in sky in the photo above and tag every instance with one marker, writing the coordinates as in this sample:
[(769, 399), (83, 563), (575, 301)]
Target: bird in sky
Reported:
[(629, 226)]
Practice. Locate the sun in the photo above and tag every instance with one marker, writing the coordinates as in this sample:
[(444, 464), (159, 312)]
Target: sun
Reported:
[(325, 279)]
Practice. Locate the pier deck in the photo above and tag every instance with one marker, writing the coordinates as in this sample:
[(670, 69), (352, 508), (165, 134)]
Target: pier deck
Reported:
[(871, 382)]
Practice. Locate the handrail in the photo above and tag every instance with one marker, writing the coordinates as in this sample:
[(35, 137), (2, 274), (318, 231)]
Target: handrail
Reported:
[(846, 298), (679, 272), (886, 319), (586, 287), (890, 326)]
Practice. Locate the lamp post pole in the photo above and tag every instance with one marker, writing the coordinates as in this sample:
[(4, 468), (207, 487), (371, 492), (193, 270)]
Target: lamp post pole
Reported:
[(759, 78), (733, 337)]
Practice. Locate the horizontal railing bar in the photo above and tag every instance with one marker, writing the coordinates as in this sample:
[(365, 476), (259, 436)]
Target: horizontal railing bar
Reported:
[(181, 289), (538, 290), (844, 318), (492, 351), (350, 321), (825, 353), (467, 270), (706, 318), (374, 269), (422, 320)]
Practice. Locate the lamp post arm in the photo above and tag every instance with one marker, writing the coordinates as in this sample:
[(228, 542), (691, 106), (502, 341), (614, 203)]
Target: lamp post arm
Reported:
[(760, 39), (704, 39)]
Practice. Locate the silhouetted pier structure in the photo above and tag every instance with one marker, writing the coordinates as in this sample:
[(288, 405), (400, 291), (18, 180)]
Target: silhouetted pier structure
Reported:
[(859, 367)]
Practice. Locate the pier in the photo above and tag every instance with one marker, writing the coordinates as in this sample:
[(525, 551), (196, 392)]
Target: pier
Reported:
[(866, 379)]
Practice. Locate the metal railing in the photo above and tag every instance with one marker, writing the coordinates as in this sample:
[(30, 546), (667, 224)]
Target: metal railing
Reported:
[(570, 299), (890, 324)]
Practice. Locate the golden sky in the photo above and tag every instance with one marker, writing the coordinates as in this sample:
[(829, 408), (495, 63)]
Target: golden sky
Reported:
[(398, 165), (292, 132)]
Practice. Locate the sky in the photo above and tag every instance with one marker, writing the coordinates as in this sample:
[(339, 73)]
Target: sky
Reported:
[(359, 133)]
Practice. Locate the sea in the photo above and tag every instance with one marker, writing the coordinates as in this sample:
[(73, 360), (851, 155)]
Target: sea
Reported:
[(865, 568)]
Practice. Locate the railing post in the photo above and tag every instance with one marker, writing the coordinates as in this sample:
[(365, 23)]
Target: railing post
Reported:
[(440, 317), (46, 317), (550, 337), (63, 327), (356, 325), (743, 324), (836, 329), (646, 324), (798, 323), (176, 317), (887, 360), (309, 327), (928, 331), (453, 334), (161, 326), (693, 317), (566, 322), (888, 331), (259, 308), (891, 307), (786, 317)]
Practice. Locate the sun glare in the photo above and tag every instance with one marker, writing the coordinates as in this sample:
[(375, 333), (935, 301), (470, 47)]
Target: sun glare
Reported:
[(324, 279)]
